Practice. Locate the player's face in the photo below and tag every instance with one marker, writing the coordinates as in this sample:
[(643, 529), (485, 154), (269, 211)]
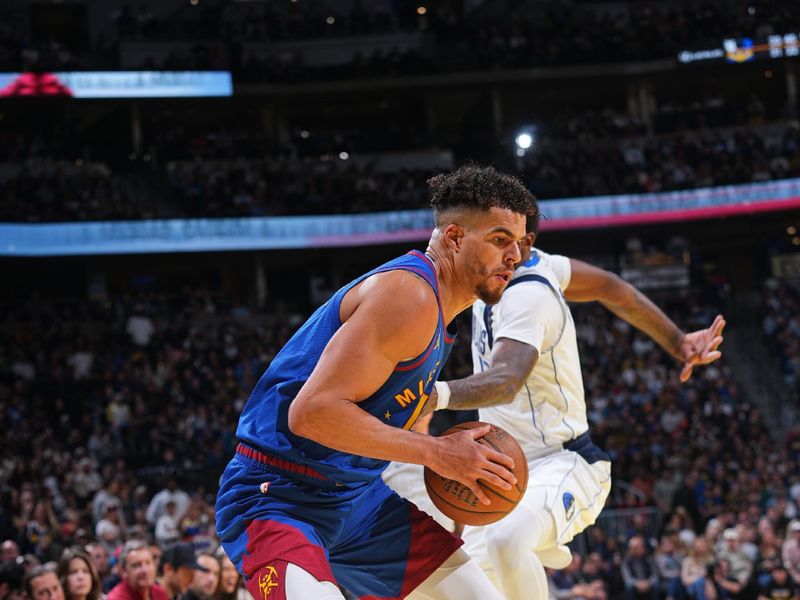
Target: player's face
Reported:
[(491, 251)]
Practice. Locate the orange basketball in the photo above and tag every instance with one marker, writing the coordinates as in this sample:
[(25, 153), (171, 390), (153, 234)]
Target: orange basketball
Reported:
[(458, 502)]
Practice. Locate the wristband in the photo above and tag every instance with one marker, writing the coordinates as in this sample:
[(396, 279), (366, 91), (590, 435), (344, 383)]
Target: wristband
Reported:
[(443, 395)]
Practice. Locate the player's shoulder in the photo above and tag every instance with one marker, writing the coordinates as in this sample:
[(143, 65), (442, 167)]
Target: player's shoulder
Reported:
[(556, 267), (534, 270), (402, 295)]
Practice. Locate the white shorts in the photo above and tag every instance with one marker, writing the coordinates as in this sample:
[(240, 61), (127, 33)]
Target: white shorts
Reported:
[(408, 481), (565, 485)]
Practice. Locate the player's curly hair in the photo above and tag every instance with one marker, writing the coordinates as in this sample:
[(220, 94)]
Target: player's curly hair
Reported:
[(480, 188)]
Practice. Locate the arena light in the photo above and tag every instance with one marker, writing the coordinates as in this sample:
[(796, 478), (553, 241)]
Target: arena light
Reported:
[(524, 140)]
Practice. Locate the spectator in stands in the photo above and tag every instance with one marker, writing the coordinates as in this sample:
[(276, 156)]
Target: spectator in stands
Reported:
[(41, 530), (205, 583), (178, 566), (140, 326), (230, 581), (664, 488), (100, 560), (791, 551), (668, 564), (9, 551), (739, 567), (747, 541), (167, 525), (780, 585), (78, 575), (639, 573), (86, 481), (158, 505), (197, 525), (721, 584), (138, 574), (42, 583), (569, 583), (106, 496), (12, 575), (686, 497), (109, 530)]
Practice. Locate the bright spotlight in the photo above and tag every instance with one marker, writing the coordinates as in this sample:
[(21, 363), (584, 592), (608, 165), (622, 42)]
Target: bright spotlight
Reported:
[(524, 140)]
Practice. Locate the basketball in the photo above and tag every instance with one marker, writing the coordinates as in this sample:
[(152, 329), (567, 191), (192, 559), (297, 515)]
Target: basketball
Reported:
[(458, 502)]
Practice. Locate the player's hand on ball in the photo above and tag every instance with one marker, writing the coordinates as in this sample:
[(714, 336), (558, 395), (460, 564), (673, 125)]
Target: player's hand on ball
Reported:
[(458, 456), (700, 347)]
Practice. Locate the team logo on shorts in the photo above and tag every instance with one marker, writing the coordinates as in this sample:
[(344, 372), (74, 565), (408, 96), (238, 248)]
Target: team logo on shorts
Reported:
[(265, 487), (267, 580), (569, 505)]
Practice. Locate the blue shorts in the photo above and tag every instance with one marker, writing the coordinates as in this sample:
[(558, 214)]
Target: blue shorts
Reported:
[(366, 538)]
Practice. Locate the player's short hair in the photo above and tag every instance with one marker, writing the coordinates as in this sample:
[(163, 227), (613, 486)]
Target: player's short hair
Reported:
[(472, 187)]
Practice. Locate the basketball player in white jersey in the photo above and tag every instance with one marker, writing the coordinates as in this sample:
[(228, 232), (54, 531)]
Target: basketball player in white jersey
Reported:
[(528, 381)]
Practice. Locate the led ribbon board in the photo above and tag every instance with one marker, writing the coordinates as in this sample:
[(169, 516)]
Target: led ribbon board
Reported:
[(117, 84)]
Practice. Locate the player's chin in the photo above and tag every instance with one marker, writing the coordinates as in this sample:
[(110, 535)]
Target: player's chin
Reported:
[(491, 294)]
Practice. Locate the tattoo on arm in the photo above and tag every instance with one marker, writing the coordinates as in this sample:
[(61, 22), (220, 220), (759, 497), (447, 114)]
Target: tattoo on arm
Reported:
[(512, 362)]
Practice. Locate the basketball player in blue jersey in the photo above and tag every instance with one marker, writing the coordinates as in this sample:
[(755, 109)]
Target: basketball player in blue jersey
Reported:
[(528, 381), (301, 507)]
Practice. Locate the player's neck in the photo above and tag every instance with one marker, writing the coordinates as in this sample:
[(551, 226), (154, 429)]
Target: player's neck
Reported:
[(453, 295)]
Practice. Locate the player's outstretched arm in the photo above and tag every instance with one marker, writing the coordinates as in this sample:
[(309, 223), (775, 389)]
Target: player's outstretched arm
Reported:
[(589, 283), (512, 362), (387, 319)]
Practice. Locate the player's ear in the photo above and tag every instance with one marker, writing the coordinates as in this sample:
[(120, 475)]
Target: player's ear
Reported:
[(453, 235), (526, 243)]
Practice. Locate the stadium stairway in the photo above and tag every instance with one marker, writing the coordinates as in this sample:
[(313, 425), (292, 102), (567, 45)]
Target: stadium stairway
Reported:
[(755, 368)]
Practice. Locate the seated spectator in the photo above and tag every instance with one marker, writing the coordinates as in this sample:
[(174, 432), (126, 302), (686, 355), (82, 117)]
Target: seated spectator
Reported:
[(791, 552), (668, 564), (780, 585), (42, 583), (138, 574), (12, 575), (158, 505), (178, 568), (639, 573), (720, 583), (109, 530), (231, 585), (738, 566), (205, 583), (569, 584), (100, 560), (78, 575), (167, 530)]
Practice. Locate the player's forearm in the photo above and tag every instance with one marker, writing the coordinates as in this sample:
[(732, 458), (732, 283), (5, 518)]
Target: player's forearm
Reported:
[(344, 426), (489, 388), (631, 305)]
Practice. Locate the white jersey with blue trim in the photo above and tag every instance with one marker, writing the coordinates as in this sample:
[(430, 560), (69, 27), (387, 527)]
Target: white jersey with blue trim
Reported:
[(550, 409)]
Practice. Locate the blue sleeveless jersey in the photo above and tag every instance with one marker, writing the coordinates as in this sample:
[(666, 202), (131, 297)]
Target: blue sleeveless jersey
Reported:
[(263, 423)]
